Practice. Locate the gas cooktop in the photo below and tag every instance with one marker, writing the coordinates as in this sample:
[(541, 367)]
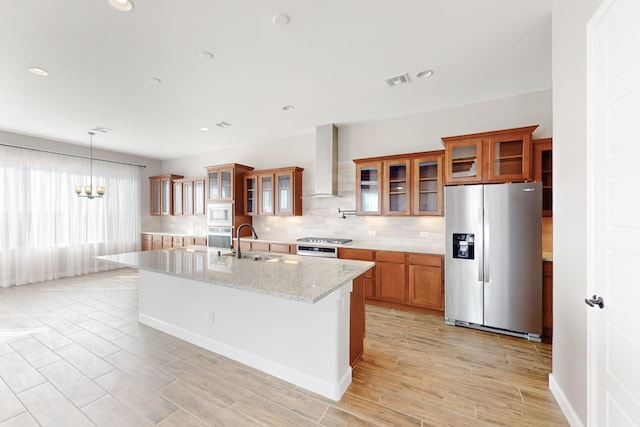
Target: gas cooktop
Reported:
[(324, 240)]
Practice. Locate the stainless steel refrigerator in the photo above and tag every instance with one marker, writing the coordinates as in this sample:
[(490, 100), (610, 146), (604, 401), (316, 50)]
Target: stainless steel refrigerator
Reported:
[(493, 262)]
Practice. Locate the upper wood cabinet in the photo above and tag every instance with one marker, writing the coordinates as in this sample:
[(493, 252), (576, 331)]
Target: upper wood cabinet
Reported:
[(161, 194), (274, 192), (198, 196), (543, 172), (226, 182), (188, 196), (498, 156), (368, 187), (405, 184)]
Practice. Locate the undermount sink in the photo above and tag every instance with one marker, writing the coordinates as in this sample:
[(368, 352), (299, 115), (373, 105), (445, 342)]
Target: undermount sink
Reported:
[(254, 256)]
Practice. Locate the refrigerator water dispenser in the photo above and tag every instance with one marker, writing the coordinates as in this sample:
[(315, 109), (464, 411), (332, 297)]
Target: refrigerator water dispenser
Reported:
[(463, 245)]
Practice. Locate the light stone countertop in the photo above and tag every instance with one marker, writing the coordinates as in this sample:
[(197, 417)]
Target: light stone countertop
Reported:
[(304, 279)]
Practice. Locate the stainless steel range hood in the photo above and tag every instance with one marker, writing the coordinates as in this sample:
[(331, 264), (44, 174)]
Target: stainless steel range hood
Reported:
[(326, 161)]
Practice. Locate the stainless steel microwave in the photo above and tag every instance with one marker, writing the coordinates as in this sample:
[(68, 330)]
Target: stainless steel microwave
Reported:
[(220, 214)]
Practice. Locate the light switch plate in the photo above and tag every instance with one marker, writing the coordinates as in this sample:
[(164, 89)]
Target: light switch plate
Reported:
[(372, 232), (424, 234)]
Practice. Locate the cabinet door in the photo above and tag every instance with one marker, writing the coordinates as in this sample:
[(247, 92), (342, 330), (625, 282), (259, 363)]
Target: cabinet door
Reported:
[(177, 198), (369, 275), (390, 276), (547, 299), (266, 194), (198, 197), (463, 161), (427, 186), (368, 186), (251, 195), (509, 158), (155, 196), (426, 287), (214, 184), (543, 172), (187, 199), (284, 193), (226, 184), (147, 242), (166, 201), (396, 187)]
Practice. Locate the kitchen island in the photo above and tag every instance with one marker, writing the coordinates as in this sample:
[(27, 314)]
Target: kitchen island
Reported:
[(283, 314)]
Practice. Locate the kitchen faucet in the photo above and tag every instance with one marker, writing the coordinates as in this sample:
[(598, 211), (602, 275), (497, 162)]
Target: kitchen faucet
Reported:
[(255, 236)]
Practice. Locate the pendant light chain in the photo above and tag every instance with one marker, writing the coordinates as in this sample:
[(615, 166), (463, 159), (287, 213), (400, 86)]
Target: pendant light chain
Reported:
[(88, 191)]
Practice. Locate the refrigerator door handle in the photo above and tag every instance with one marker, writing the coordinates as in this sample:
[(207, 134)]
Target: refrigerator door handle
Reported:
[(486, 260)]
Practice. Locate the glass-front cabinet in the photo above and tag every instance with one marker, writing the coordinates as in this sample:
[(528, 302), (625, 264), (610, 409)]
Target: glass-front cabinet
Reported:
[(266, 190), (427, 185), (251, 194), (274, 192), (198, 196), (543, 172), (368, 187), (404, 184), (396, 187), (498, 156), (177, 197), (187, 199), (162, 194)]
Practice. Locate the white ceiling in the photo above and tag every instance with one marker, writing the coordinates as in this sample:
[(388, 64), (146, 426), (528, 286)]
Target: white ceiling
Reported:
[(330, 61)]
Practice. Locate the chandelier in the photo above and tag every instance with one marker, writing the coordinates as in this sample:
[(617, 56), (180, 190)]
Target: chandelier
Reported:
[(88, 189)]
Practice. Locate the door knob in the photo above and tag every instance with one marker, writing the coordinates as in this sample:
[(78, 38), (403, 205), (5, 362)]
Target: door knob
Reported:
[(596, 300)]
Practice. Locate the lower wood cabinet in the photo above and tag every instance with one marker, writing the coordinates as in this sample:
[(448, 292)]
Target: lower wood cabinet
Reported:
[(547, 299), (357, 320), (152, 242), (406, 278), (259, 246), (390, 276)]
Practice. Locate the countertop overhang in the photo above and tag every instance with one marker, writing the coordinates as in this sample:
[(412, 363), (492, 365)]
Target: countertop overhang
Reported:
[(303, 279)]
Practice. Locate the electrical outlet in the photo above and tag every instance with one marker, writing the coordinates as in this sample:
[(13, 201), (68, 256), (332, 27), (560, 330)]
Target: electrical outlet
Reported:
[(424, 234), (212, 317), (267, 229), (372, 233)]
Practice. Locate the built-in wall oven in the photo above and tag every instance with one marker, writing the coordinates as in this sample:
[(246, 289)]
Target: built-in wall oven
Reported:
[(220, 237), (220, 215), (320, 246)]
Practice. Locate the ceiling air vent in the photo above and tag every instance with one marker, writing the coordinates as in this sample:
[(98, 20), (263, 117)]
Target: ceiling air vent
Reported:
[(223, 124), (397, 80)]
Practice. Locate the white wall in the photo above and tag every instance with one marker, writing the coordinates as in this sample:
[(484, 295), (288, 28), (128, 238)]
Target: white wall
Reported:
[(569, 371), (419, 132)]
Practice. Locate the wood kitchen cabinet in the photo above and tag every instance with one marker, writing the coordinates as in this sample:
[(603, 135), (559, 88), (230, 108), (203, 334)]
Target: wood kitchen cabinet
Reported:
[(498, 156), (262, 246), (369, 276), (274, 192), (198, 196), (390, 276), (426, 281), (146, 242), (547, 299), (404, 184), (357, 319), (152, 242), (161, 192), (368, 187), (543, 172), (226, 183)]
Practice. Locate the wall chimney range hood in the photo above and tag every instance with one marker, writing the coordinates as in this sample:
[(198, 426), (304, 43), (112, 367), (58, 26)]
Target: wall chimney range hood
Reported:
[(326, 162)]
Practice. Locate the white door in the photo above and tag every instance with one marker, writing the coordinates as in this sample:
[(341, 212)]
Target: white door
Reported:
[(613, 197)]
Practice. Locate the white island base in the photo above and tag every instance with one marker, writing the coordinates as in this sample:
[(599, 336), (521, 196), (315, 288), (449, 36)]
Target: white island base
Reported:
[(302, 343)]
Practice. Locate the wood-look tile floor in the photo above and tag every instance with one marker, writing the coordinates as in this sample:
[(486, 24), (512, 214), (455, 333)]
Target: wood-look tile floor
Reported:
[(73, 354)]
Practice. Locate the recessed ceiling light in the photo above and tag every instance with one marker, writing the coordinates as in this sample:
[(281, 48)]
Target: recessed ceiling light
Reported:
[(122, 5), (281, 19), (205, 129), (288, 107), (38, 71), (223, 124), (154, 81), (424, 74), (205, 55)]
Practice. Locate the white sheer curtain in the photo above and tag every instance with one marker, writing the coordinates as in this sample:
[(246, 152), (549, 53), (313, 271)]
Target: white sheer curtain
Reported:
[(46, 231)]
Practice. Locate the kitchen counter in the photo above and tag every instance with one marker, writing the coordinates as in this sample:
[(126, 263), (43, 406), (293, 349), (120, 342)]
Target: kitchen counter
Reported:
[(304, 279), (288, 316)]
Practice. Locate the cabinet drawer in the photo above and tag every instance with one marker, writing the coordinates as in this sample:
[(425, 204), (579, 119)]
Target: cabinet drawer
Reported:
[(157, 237), (389, 256), (167, 239), (147, 237), (280, 248), (260, 246), (356, 254), (425, 259)]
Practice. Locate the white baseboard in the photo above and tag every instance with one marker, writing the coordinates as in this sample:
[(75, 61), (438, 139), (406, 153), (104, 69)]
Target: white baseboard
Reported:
[(563, 402), (330, 390)]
